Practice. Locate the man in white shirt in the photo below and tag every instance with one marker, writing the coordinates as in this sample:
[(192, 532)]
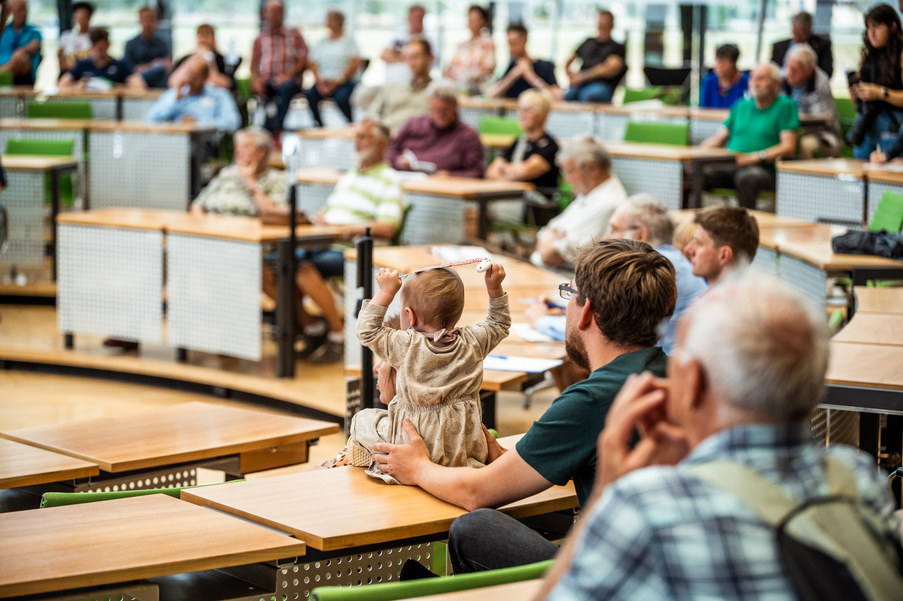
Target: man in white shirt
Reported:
[(393, 55), (586, 166)]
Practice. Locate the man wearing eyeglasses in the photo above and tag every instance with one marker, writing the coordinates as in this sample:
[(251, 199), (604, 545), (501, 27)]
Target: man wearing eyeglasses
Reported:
[(621, 291)]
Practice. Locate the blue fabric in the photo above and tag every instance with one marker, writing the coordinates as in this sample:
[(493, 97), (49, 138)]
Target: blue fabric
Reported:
[(156, 77), (710, 94), (115, 71), (139, 51), (330, 263), (543, 69), (663, 533), (11, 41), (879, 134), (594, 91), (341, 96), (213, 106), (282, 96)]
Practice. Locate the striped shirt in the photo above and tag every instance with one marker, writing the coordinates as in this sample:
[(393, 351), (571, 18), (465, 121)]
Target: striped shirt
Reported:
[(371, 195), (277, 53)]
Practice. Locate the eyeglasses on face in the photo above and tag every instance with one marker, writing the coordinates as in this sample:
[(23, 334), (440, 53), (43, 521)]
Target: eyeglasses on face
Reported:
[(566, 291)]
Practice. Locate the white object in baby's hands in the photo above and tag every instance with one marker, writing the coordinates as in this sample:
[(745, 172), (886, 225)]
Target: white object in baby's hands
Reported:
[(484, 265)]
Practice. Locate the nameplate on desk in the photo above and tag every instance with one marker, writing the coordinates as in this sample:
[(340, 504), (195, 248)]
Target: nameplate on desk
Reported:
[(524, 364)]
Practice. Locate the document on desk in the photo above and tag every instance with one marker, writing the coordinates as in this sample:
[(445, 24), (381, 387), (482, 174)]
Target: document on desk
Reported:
[(450, 254), (524, 364), (523, 330)]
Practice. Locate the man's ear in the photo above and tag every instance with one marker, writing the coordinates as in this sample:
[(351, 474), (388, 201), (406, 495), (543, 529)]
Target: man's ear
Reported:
[(697, 385), (586, 317), (642, 234), (726, 255)]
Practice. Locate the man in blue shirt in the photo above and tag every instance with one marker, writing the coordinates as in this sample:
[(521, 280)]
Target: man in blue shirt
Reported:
[(724, 84), (148, 53), (101, 65), (197, 102), (20, 46), (523, 72)]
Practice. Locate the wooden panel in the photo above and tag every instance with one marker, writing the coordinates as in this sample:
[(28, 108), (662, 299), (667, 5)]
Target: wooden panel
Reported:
[(142, 219), (763, 219), (150, 128), (453, 187), (497, 141), (866, 328), (664, 152), (267, 459), (889, 173), (821, 255), (526, 589), (826, 167), (776, 237), (519, 298), (170, 435), (61, 548), (47, 124), (866, 365), (24, 465), (326, 133), (879, 300), (15, 162)]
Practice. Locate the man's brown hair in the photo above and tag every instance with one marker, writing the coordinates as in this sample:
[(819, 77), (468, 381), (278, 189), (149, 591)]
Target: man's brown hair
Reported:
[(731, 226), (436, 296), (631, 288), (98, 34)]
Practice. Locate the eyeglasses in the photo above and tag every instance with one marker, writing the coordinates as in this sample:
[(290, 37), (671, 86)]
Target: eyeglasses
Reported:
[(614, 228), (566, 291)]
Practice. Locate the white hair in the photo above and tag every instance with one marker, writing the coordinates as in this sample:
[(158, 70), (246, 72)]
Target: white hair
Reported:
[(262, 138), (773, 70), (585, 150), (644, 211), (444, 89), (804, 54), (763, 347)]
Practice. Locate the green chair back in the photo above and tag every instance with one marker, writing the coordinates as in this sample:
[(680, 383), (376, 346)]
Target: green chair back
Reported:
[(58, 110), (500, 125), (634, 95), (63, 148), (889, 214), (675, 134), (6, 79), (244, 87), (846, 110), (391, 591), (405, 211), (59, 499)]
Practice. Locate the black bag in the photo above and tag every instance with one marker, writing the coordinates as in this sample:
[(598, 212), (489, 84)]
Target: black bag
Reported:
[(859, 242)]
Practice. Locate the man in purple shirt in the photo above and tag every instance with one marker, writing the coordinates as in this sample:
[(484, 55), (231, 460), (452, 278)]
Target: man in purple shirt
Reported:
[(439, 141)]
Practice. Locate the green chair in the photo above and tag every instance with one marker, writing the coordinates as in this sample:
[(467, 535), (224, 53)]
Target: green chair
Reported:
[(244, 87), (391, 591), (48, 148), (675, 134), (634, 95), (6, 79), (889, 214), (58, 110), (846, 110), (60, 499), (499, 125)]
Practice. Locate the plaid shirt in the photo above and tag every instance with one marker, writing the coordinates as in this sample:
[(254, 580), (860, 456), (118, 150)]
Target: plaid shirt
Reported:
[(661, 533), (277, 54)]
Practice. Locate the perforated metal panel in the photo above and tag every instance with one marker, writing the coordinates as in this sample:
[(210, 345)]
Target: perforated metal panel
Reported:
[(876, 191), (766, 260), (312, 197), (562, 126), (353, 294), (819, 198), (809, 280), (175, 477), (333, 152), (9, 107), (662, 179), (24, 200), (213, 293), (471, 116), (78, 146), (611, 127), (140, 170), (433, 220), (700, 129), (136, 109), (833, 426), (110, 282)]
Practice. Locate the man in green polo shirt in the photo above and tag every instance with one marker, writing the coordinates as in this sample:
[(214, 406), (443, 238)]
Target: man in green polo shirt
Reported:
[(761, 129), (621, 291)]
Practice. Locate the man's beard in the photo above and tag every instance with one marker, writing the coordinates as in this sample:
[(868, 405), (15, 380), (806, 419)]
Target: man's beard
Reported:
[(576, 351)]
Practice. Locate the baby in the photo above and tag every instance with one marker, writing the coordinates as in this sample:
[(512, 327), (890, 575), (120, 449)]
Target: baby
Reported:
[(439, 367)]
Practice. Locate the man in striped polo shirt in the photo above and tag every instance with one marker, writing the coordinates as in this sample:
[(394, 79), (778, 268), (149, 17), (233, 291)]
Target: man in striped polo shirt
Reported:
[(368, 196)]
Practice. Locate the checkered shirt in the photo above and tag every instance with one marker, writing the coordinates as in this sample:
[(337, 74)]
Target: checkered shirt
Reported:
[(277, 53)]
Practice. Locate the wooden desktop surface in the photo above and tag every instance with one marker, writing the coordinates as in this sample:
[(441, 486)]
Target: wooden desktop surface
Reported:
[(763, 219), (866, 365), (326, 133), (48, 124), (170, 435), (721, 115), (664, 152), (19, 162), (128, 218), (62, 548), (890, 173), (820, 254), (825, 167), (777, 237), (455, 187), (24, 465), (879, 300), (149, 128), (339, 508), (523, 590), (871, 328)]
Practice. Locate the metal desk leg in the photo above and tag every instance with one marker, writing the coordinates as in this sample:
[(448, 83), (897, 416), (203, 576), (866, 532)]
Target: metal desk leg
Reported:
[(285, 310), (488, 401), (69, 341), (55, 195), (483, 225)]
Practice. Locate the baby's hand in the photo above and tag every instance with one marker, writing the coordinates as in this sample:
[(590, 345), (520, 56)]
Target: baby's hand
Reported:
[(389, 280), (495, 275)]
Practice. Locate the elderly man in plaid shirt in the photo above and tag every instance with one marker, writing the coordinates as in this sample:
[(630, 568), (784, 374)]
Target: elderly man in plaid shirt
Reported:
[(748, 368), (278, 60)]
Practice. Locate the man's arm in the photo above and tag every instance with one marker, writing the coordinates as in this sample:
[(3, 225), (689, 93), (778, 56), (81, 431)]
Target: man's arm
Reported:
[(499, 88), (507, 479), (257, 82), (717, 140), (786, 147), (607, 69), (4, 15), (162, 110), (227, 117)]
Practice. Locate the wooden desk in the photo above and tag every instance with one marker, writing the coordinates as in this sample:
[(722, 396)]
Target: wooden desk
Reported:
[(887, 301), (497, 141), (173, 436), (827, 190), (24, 465), (63, 548), (764, 219), (871, 328), (526, 589), (865, 377), (881, 179)]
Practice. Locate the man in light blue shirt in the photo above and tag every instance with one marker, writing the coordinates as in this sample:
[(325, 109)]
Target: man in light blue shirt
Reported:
[(642, 219), (196, 102), (20, 46)]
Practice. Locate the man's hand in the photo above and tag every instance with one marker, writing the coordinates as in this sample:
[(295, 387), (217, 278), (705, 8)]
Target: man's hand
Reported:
[(495, 449), (389, 281), (187, 119), (403, 163), (402, 461), (540, 309), (258, 86), (575, 78), (877, 157), (745, 160), (280, 79), (494, 277)]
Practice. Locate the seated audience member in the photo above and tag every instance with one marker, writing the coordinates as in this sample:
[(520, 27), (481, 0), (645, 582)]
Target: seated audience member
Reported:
[(394, 55), (523, 72), (196, 102), (334, 62), (75, 43), (20, 46), (368, 196), (801, 28), (602, 65), (586, 166), (398, 101), (278, 61), (148, 53), (100, 64), (439, 138), (621, 291), (810, 89), (748, 370), (761, 128), (206, 51), (248, 186), (642, 219), (727, 239), (724, 84), (473, 63)]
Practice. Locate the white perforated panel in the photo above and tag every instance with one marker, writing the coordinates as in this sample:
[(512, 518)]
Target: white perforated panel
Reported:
[(110, 282), (876, 191), (662, 179), (136, 109), (144, 170), (612, 127), (312, 197), (352, 295), (471, 116), (333, 152), (9, 107), (700, 129), (766, 260), (433, 220), (213, 293), (23, 198), (819, 198), (808, 280)]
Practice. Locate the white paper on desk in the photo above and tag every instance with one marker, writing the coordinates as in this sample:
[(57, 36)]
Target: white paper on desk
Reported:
[(416, 176), (524, 364), (523, 330), (450, 254)]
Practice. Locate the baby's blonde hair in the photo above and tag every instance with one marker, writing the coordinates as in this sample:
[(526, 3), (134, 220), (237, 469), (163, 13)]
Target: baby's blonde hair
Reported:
[(436, 296), (683, 233)]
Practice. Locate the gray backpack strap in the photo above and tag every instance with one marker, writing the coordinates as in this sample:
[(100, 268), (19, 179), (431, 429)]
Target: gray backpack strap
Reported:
[(767, 500)]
